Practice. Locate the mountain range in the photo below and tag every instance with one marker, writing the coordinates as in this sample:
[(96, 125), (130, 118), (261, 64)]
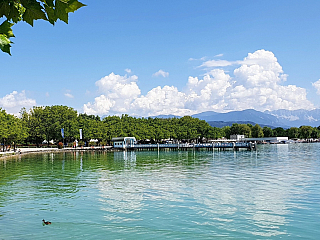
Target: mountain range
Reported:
[(278, 118)]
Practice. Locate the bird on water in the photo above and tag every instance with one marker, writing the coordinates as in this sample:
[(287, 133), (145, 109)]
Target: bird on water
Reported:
[(46, 222)]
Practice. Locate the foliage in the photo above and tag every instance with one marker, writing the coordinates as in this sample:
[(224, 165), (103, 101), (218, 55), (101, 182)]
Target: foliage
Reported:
[(14, 11), (267, 131), (12, 129), (257, 131), (60, 145), (305, 132), (45, 123), (240, 129)]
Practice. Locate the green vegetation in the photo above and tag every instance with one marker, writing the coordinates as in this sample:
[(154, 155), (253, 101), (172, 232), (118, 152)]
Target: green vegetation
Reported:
[(14, 11), (45, 123)]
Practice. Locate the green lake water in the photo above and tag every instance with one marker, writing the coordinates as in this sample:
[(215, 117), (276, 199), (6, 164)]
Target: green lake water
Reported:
[(270, 193)]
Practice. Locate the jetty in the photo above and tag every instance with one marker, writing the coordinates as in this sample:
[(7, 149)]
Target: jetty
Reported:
[(186, 146), (129, 143)]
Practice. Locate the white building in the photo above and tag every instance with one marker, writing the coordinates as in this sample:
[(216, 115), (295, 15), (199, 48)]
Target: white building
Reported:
[(237, 137), (123, 142), (267, 139)]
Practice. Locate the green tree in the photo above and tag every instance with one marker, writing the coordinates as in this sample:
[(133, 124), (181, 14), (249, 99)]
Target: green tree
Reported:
[(315, 133), (12, 129), (293, 132), (226, 131), (306, 131), (257, 131), (279, 132), (14, 11), (240, 129), (267, 131)]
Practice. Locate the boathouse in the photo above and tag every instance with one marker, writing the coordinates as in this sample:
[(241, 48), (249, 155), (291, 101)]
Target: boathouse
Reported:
[(267, 139), (123, 142)]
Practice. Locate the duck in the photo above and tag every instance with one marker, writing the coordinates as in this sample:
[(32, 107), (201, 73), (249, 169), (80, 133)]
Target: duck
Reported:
[(46, 222)]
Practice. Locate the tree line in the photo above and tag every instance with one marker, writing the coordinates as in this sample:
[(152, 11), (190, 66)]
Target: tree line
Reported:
[(45, 123)]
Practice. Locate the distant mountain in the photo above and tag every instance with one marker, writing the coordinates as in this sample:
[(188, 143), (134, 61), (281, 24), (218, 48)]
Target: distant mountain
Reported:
[(278, 118), (297, 118), (246, 116), (220, 124), (165, 116)]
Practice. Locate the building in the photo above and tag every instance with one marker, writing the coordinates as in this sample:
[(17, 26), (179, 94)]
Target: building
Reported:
[(123, 142), (237, 137), (267, 139)]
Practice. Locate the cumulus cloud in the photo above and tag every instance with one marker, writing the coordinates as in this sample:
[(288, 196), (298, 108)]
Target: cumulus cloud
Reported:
[(317, 86), (127, 70), (257, 82), (118, 92), (14, 101), (162, 101), (161, 73)]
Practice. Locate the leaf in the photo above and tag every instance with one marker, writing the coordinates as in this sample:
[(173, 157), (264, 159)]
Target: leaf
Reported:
[(5, 43), (60, 11), (34, 11), (14, 14), (74, 5), (50, 14), (4, 9), (48, 2), (5, 28)]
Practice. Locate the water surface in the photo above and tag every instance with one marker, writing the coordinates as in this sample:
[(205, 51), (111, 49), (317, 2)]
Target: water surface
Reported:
[(271, 193)]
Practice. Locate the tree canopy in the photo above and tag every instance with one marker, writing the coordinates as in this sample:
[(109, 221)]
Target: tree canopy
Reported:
[(45, 123), (14, 11)]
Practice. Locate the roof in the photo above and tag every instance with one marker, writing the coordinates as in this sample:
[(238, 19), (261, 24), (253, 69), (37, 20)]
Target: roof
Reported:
[(267, 139), (117, 139)]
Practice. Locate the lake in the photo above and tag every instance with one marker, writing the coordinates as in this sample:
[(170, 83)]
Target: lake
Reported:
[(270, 193)]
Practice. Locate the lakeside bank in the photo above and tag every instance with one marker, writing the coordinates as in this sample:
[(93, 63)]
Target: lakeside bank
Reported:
[(24, 151)]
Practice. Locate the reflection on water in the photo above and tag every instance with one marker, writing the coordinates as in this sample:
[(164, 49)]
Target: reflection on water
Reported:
[(269, 193)]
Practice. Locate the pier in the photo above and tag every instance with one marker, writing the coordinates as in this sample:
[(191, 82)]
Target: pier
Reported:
[(130, 143), (186, 146)]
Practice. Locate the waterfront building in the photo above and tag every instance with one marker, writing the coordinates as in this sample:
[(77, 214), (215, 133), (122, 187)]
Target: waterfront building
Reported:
[(123, 142)]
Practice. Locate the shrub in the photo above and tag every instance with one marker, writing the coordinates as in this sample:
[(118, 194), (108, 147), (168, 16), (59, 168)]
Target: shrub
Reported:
[(60, 145)]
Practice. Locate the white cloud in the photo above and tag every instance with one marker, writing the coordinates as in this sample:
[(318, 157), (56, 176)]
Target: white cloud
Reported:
[(197, 59), (257, 83), (161, 101), (14, 101), (118, 92), (217, 63), (219, 55), (317, 86), (127, 70), (68, 95), (161, 73)]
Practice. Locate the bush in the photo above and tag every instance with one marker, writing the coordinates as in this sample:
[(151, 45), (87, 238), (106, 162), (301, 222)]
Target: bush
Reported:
[(70, 144), (60, 145)]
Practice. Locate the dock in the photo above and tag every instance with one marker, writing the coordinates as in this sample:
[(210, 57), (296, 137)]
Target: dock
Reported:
[(196, 146)]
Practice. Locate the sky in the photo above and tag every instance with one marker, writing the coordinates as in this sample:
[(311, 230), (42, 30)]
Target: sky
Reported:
[(182, 57)]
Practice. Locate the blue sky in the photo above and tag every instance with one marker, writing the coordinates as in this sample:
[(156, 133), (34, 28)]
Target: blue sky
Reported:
[(168, 57)]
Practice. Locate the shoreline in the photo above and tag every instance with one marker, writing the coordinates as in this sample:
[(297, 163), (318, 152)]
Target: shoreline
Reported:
[(26, 151)]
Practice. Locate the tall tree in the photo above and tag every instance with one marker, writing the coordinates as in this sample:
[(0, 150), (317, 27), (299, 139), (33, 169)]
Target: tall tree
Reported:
[(257, 131), (267, 131)]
